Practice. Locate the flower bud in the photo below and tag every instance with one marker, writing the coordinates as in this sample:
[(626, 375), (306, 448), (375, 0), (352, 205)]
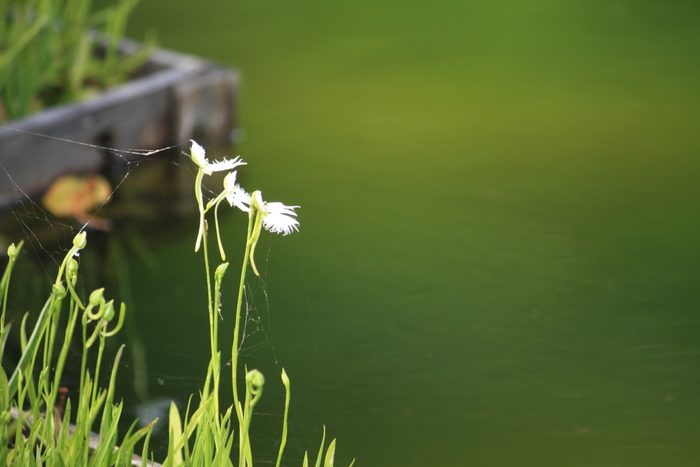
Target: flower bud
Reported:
[(255, 379), (109, 310), (220, 271), (72, 270), (80, 240), (59, 290), (96, 297)]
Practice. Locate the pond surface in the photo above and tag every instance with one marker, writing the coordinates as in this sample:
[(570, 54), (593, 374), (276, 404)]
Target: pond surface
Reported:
[(498, 256)]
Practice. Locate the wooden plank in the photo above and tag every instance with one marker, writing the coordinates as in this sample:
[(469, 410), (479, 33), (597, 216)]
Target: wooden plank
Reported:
[(182, 97)]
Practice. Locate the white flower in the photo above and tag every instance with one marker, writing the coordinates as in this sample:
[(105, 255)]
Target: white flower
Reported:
[(235, 195), (277, 217), (200, 158)]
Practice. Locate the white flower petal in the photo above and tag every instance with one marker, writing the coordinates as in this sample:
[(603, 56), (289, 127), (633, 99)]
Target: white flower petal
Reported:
[(230, 181), (199, 157), (257, 201), (280, 223), (279, 208), (226, 164), (239, 198), (279, 218), (235, 195)]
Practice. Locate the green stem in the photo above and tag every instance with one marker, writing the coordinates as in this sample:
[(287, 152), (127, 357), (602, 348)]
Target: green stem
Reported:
[(287, 398), (26, 362), (237, 327), (63, 355), (254, 382), (218, 234), (98, 364), (198, 197), (213, 325), (12, 253)]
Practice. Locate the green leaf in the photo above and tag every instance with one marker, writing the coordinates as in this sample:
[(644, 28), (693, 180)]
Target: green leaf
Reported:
[(175, 429), (320, 449), (127, 446), (330, 455)]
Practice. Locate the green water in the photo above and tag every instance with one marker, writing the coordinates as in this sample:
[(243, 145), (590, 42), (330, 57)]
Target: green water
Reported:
[(498, 256)]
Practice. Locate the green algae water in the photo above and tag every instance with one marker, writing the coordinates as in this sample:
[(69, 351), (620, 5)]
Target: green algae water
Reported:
[(498, 256)]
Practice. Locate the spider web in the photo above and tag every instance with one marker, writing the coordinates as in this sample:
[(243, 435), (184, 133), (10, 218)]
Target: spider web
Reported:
[(49, 238), (28, 212)]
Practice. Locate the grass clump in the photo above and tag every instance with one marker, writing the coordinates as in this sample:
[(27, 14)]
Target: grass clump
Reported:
[(56, 51), (41, 426)]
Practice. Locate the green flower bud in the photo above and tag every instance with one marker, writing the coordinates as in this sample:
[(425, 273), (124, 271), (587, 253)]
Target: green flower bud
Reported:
[(12, 251), (72, 269), (220, 271), (80, 240), (109, 310), (59, 290), (96, 297), (255, 379)]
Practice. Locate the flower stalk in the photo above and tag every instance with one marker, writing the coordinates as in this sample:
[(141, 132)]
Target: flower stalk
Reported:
[(274, 217)]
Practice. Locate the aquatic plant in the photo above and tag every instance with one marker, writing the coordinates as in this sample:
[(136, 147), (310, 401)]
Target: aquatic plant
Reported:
[(274, 217), (56, 51), (42, 426)]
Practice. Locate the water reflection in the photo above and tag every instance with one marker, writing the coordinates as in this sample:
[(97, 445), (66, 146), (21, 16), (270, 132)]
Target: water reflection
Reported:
[(496, 262)]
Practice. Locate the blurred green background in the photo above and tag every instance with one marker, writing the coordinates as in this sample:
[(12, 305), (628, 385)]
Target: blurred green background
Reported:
[(498, 256)]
